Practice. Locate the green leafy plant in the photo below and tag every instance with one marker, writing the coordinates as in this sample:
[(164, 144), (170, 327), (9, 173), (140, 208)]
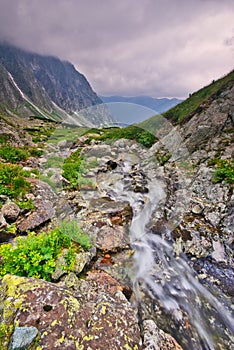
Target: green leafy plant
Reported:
[(13, 182), (26, 204), (74, 169), (13, 154), (35, 255), (162, 157), (11, 228), (224, 171), (35, 152), (72, 230), (70, 258)]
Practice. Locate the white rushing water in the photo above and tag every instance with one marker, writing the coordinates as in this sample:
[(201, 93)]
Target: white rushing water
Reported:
[(168, 279), (164, 282)]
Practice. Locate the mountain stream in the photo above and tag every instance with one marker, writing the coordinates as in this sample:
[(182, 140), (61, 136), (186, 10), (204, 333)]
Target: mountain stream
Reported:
[(165, 287)]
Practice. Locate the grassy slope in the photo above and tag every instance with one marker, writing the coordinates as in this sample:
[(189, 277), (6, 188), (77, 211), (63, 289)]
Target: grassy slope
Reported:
[(194, 103)]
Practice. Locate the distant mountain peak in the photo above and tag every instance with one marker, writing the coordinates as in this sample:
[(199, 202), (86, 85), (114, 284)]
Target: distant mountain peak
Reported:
[(148, 106)]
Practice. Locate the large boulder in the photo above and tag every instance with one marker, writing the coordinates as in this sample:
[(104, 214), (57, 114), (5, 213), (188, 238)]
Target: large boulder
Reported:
[(89, 317)]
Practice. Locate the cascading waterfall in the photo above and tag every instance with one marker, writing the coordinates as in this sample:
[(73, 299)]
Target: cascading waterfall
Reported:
[(165, 286), (169, 282)]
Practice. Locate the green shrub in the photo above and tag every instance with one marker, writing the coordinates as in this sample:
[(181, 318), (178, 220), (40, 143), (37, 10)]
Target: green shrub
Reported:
[(26, 204), (72, 230), (13, 154), (35, 255), (3, 138), (162, 158), (35, 152), (5, 331), (73, 168), (13, 181), (131, 132), (224, 171)]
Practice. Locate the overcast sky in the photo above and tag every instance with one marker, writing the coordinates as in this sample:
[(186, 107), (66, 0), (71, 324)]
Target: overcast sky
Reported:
[(161, 48)]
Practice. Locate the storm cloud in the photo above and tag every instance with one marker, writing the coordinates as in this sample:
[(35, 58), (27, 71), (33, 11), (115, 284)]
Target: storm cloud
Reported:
[(128, 47)]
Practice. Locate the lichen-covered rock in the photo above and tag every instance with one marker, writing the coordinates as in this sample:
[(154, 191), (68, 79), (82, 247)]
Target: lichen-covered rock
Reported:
[(85, 318), (43, 213)]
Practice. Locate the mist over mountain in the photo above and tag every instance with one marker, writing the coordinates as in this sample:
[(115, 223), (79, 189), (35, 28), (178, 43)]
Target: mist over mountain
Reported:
[(45, 86)]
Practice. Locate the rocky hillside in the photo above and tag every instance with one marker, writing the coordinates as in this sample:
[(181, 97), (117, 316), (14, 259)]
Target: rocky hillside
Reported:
[(35, 85), (127, 235)]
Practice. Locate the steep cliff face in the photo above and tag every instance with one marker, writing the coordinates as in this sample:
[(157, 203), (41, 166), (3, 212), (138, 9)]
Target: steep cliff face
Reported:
[(65, 86), (9, 95), (30, 82)]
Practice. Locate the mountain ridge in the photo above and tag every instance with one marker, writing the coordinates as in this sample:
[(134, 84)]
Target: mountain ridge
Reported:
[(157, 104), (47, 84)]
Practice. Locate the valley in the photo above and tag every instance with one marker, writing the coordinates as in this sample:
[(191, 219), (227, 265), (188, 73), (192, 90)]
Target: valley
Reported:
[(120, 236)]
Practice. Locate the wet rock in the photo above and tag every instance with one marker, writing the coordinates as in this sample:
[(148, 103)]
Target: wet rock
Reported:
[(10, 211), (156, 339), (5, 235), (112, 238), (217, 273), (140, 188), (111, 164), (84, 318), (22, 337)]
